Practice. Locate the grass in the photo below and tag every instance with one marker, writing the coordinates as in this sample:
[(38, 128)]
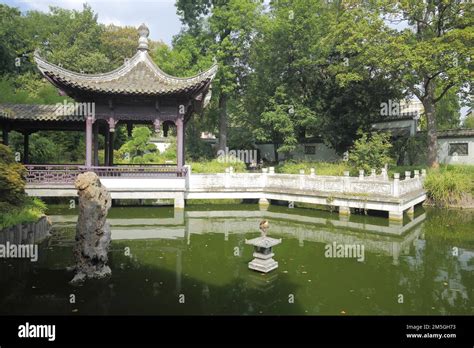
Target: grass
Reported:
[(30, 211)]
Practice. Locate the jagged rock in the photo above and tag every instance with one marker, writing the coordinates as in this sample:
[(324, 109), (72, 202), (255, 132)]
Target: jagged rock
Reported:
[(92, 230)]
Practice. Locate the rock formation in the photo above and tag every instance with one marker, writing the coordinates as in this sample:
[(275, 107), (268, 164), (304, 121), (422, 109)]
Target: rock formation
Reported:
[(92, 230)]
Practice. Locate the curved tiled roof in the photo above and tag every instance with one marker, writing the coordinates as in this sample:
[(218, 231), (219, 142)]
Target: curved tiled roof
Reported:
[(139, 76), (37, 112)]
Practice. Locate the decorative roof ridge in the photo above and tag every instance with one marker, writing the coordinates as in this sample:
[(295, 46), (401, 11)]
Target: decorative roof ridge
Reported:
[(44, 65), (140, 56)]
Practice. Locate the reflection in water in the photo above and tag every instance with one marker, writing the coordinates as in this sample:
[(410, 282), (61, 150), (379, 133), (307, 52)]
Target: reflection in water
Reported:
[(200, 257)]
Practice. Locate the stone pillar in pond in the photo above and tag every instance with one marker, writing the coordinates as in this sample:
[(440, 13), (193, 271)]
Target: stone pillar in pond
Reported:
[(92, 231), (263, 255)]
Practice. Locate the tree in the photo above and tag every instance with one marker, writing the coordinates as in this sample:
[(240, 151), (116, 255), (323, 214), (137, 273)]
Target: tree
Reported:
[(224, 30), (118, 43), (296, 54), (430, 56)]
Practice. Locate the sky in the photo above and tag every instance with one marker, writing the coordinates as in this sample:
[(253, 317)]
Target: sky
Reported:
[(159, 15)]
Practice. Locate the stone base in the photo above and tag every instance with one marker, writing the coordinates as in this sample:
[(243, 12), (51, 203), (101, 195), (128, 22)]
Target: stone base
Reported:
[(395, 216), (263, 266)]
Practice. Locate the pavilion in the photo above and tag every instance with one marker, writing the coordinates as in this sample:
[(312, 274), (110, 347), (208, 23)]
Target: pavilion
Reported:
[(138, 92)]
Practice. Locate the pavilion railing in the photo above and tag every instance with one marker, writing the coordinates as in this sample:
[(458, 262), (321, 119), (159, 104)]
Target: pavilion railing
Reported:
[(66, 174)]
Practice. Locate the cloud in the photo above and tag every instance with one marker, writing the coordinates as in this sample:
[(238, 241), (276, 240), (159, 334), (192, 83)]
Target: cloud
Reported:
[(159, 15)]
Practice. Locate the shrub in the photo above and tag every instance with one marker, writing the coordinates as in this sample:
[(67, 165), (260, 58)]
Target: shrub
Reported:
[(371, 151), (215, 166), (12, 179)]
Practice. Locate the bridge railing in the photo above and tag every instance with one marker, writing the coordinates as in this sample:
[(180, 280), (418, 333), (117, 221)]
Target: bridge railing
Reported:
[(66, 174)]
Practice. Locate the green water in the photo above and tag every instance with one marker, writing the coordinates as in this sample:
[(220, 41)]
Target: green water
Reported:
[(196, 262)]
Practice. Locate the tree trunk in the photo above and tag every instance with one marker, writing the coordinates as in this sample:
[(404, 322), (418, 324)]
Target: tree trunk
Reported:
[(275, 152), (222, 122), (429, 105)]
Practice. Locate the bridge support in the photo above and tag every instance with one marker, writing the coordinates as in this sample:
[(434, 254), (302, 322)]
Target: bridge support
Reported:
[(344, 211), (179, 202)]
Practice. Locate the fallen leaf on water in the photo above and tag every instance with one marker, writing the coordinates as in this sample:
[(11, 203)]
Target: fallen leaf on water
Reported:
[(343, 312)]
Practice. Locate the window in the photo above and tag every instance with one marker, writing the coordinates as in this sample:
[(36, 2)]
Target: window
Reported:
[(310, 150), (458, 149)]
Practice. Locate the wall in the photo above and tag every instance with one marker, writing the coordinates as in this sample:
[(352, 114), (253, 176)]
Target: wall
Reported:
[(443, 151), (323, 153)]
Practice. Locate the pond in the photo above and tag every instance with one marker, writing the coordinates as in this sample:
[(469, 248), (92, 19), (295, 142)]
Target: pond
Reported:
[(196, 262)]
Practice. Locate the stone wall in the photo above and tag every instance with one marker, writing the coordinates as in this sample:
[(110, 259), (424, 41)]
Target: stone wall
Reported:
[(26, 233)]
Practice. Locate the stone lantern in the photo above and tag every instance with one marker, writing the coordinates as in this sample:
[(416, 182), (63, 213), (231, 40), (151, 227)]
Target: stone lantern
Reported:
[(263, 254)]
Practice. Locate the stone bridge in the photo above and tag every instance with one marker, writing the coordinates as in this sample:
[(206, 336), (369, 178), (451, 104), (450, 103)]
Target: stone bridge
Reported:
[(368, 192)]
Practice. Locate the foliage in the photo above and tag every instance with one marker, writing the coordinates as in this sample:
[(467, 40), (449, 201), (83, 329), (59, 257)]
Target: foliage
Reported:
[(30, 211), (139, 149), (410, 150), (12, 180), (469, 122), (371, 151), (216, 166), (429, 57)]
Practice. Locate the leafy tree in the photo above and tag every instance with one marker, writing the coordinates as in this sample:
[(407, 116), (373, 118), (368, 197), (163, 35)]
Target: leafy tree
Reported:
[(430, 57), (371, 151), (224, 30), (118, 43)]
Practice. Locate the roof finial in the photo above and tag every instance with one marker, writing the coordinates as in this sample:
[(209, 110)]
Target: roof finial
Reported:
[(143, 40)]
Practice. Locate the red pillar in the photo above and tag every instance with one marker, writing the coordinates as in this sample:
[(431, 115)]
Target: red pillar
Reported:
[(89, 122), (180, 141)]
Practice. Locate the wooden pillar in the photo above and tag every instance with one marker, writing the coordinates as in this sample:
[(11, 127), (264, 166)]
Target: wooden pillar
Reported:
[(89, 123), (5, 135), (26, 147), (110, 143), (96, 144), (129, 129), (106, 147), (180, 141), (111, 149)]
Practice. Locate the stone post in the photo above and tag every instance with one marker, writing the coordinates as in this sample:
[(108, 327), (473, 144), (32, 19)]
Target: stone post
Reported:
[(423, 173), (417, 174), (271, 170), (396, 184), (346, 182), (180, 141), (312, 172), (407, 175), (361, 174), (372, 173)]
